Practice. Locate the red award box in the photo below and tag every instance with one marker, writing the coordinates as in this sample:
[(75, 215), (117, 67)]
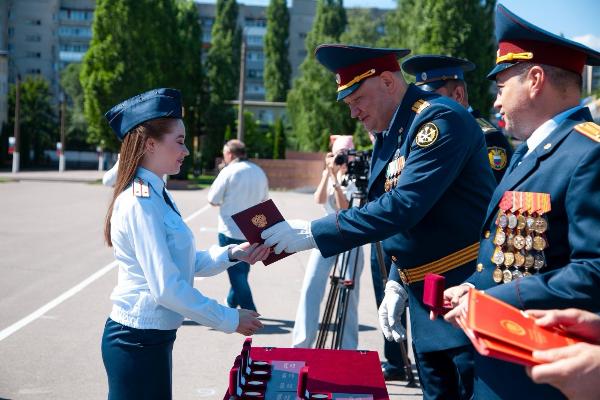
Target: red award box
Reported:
[(252, 221), (502, 331)]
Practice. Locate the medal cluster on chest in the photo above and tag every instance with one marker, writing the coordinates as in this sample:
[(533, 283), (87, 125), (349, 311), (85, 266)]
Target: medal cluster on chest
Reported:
[(520, 235), (392, 173)]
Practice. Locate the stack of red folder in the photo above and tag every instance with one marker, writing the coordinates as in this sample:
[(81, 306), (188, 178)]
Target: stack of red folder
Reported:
[(502, 331)]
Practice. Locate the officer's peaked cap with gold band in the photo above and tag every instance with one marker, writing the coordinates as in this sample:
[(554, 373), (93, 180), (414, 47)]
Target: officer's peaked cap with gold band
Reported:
[(521, 41), (353, 64), (433, 71), (153, 104)]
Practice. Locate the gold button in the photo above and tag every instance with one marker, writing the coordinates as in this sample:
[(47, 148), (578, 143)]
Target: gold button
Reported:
[(479, 267), (486, 234)]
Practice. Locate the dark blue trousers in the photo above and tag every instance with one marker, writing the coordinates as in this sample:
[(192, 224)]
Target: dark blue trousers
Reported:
[(447, 374), (138, 362), (239, 293), (391, 350)]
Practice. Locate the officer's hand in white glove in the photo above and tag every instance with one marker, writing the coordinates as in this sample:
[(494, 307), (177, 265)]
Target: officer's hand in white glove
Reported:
[(391, 310), (289, 236)]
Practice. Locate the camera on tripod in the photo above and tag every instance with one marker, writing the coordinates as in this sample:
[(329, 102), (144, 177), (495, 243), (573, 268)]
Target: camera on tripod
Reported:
[(358, 165)]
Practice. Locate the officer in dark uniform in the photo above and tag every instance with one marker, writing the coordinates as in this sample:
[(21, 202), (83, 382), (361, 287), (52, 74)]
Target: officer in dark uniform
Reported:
[(540, 248), (445, 75), (429, 187)]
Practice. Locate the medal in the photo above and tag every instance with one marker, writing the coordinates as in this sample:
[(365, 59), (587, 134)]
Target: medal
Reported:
[(506, 276), (529, 222), (539, 243), (519, 260), (497, 276), (521, 222), (512, 221), (509, 258), (540, 225), (500, 237), (539, 262), (516, 274), (498, 256), (510, 240), (519, 242), (529, 260), (528, 242), (502, 221)]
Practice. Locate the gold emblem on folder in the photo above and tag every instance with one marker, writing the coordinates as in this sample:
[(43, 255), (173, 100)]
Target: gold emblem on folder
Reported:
[(259, 220)]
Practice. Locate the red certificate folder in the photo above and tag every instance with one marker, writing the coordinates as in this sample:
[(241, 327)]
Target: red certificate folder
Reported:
[(502, 331), (252, 221)]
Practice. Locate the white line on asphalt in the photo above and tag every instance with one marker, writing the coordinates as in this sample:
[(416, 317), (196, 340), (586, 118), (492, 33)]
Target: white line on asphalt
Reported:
[(73, 291)]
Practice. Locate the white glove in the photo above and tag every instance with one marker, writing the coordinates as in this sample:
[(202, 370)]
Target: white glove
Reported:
[(391, 310), (289, 236)]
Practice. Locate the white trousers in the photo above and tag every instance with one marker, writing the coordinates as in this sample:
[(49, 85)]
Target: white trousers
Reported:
[(316, 279)]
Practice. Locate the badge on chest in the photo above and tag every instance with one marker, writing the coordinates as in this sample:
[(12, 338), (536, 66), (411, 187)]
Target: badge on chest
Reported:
[(520, 235), (393, 171)]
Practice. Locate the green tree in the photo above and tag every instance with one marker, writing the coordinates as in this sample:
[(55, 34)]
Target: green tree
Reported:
[(223, 68), (314, 112), (137, 46), (459, 29), (365, 28), (37, 119), (75, 124), (277, 66), (258, 139), (279, 140)]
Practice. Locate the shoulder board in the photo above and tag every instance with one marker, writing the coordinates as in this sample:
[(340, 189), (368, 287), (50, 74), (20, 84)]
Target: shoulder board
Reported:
[(420, 105), (140, 188), (589, 129), (485, 125)]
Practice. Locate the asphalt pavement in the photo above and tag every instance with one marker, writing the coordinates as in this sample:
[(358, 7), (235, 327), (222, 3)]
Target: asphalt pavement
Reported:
[(57, 276)]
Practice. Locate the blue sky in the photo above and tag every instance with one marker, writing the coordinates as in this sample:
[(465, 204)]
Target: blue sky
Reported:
[(576, 19)]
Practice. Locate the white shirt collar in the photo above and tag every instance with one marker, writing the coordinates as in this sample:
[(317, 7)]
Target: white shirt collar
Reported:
[(542, 132), (150, 177)]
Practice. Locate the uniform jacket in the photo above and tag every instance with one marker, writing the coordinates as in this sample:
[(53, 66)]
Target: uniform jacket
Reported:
[(436, 208), (567, 166), (499, 149)]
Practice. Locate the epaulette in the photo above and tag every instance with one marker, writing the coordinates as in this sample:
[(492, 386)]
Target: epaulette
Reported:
[(420, 105), (140, 188), (589, 129), (485, 125)]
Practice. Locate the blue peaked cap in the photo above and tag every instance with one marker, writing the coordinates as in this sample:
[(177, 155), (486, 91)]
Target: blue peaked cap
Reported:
[(521, 41), (352, 65), (432, 71), (153, 104)]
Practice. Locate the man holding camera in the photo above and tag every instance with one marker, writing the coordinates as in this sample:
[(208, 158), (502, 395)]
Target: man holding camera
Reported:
[(428, 192)]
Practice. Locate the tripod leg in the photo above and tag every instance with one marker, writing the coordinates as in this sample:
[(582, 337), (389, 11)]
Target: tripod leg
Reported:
[(329, 304)]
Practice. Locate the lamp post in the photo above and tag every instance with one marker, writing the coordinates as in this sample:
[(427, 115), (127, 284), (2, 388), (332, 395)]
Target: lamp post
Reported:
[(61, 156), (17, 133), (240, 130)]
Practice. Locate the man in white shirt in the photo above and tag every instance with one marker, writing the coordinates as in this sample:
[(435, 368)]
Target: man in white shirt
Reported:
[(239, 185)]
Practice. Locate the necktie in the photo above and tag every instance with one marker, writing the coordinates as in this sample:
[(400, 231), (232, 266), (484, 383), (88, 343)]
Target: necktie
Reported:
[(169, 202), (518, 156)]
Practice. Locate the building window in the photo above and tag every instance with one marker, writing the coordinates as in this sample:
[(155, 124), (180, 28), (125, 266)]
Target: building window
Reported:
[(302, 35), (11, 32), (33, 54), (76, 15), (255, 22), (255, 40), (79, 48), (75, 31), (33, 21), (33, 38), (34, 71)]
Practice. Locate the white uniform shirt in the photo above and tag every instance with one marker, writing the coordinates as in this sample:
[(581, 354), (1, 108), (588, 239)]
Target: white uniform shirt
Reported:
[(544, 130), (157, 259), (240, 185)]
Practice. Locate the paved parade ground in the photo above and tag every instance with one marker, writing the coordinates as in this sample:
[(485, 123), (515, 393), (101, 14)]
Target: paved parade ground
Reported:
[(57, 276)]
